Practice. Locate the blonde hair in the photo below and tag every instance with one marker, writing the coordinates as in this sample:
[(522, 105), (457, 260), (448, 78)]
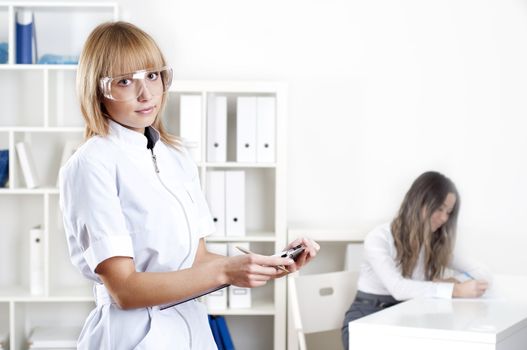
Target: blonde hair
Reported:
[(412, 230), (115, 48)]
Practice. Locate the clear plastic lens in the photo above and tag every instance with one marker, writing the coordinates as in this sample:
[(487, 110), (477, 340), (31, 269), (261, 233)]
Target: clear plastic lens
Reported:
[(130, 86)]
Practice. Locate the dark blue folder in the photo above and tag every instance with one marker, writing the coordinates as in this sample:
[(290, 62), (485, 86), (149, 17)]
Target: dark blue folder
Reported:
[(224, 332), (24, 43), (215, 332)]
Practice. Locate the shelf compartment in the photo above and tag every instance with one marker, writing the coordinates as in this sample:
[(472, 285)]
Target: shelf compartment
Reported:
[(18, 215), (172, 119), (74, 23), (4, 325), (65, 280), (4, 34), (4, 145), (23, 99), (64, 108), (47, 314), (260, 184), (47, 154), (245, 329)]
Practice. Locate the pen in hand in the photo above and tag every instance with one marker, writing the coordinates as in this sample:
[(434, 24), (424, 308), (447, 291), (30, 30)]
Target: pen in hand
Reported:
[(468, 275), (247, 251)]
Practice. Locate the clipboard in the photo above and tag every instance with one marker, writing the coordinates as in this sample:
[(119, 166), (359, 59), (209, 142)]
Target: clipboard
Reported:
[(208, 291)]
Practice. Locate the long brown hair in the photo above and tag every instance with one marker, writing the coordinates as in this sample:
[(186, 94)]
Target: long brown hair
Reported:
[(412, 230), (115, 48)]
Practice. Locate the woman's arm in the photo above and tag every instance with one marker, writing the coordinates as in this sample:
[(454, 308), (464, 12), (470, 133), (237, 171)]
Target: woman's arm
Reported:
[(378, 254), (478, 275), (131, 289)]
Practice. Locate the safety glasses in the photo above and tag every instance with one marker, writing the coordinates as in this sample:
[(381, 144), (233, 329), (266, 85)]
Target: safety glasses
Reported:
[(130, 86)]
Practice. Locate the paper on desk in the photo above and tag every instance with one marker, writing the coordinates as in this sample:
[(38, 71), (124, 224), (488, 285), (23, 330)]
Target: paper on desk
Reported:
[(507, 287)]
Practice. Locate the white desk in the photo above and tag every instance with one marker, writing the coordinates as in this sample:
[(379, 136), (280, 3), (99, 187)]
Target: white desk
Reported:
[(437, 324)]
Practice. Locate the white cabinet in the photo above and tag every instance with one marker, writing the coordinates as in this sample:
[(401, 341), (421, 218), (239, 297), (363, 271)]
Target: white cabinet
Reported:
[(263, 325), (39, 107)]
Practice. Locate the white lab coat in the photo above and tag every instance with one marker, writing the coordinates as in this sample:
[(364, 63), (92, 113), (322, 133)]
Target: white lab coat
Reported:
[(114, 204)]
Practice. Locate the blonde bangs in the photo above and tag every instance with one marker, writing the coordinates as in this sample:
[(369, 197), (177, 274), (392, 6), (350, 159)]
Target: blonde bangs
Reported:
[(129, 51)]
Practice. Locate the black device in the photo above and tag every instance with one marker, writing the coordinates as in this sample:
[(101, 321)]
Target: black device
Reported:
[(293, 252)]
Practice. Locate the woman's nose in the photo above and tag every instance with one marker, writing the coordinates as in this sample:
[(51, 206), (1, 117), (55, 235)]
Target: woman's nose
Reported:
[(145, 94)]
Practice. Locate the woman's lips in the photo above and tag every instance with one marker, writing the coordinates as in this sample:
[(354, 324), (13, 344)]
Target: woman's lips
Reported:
[(147, 110)]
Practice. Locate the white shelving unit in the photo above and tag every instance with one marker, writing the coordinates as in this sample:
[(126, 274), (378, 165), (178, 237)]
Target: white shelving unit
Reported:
[(40, 107), (263, 326)]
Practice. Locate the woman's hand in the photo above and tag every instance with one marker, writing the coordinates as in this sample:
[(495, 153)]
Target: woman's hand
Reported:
[(253, 270), (311, 250), (470, 289)]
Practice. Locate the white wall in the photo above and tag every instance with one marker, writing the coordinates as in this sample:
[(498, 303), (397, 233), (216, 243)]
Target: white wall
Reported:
[(380, 91)]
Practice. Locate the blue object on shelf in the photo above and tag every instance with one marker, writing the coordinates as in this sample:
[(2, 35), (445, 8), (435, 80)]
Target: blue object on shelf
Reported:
[(24, 37), (58, 59), (224, 333), (215, 332), (4, 53), (4, 167)]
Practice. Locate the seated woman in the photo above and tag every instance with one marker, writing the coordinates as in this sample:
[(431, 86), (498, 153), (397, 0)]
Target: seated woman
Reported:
[(408, 257)]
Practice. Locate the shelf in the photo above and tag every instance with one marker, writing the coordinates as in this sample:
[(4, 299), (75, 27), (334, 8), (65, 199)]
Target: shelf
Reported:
[(38, 66), (237, 165), (46, 190), (250, 237), (53, 4), (40, 129), (258, 309), (331, 235), (21, 294), (221, 87)]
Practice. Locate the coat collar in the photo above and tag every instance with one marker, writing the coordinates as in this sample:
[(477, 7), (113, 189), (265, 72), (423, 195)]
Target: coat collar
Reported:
[(132, 138)]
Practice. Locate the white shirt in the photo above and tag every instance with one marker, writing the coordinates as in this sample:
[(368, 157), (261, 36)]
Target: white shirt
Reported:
[(380, 274), (114, 204)]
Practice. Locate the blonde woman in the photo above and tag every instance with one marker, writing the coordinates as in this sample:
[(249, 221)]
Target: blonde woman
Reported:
[(134, 214), (409, 257)]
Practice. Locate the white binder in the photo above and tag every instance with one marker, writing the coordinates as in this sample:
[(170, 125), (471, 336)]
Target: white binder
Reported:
[(217, 129), (27, 163), (265, 129), (239, 297), (36, 261), (217, 300), (235, 203), (190, 124), (215, 192), (246, 129)]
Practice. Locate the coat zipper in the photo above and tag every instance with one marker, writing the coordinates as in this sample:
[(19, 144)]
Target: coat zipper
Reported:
[(156, 168)]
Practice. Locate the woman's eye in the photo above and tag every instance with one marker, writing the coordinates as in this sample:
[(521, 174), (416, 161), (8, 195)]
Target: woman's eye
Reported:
[(153, 75), (124, 82)]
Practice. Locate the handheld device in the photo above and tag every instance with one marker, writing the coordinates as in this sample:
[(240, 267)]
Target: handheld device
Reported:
[(293, 253)]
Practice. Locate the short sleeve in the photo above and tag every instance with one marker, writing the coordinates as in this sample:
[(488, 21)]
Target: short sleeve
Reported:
[(93, 220)]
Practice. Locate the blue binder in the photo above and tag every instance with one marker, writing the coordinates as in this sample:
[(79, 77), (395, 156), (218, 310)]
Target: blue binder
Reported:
[(224, 332), (24, 37), (4, 167), (215, 332)]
